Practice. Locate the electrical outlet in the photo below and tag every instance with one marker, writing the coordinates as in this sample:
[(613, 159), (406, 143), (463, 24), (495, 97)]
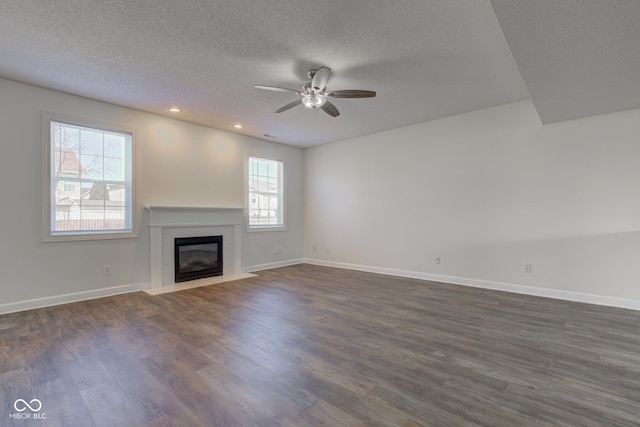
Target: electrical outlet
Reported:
[(437, 260), (106, 270), (527, 268), (277, 251)]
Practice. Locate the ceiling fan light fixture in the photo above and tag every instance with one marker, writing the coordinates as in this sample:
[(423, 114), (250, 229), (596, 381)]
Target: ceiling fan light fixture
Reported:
[(314, 94), (314, 100)]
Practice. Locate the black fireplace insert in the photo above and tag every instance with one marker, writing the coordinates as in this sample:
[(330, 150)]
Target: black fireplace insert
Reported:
[(197, 257)]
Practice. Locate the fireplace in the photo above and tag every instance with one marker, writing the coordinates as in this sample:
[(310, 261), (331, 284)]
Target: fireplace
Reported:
[(197, 257)]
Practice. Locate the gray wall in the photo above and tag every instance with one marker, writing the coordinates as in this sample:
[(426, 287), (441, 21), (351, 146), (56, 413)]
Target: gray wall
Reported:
[(179, 164), (487, 192)]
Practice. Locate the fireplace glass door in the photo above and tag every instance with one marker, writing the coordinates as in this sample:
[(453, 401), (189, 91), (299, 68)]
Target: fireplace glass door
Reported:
[(197, 257)]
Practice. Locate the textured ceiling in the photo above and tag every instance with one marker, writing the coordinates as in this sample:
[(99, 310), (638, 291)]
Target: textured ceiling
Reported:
[(427, 59)]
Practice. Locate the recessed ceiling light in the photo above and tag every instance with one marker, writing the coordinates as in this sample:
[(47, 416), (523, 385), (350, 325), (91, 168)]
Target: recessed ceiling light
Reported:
[(174, 109), (237, 126)]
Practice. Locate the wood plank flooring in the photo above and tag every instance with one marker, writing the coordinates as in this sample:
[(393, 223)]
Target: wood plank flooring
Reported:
[(315, 346)]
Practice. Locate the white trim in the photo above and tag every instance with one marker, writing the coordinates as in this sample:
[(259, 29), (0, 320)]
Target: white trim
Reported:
[(197, 224), (191, 208), (454, 280), (13, 307), (488, 284), (283, 201), (46, 117), (198, 283), (191, 221), (193, 216), (259, 228), (270, 265)]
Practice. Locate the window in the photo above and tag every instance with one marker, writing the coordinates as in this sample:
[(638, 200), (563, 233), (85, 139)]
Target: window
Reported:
[(266, 204), (90, 181)]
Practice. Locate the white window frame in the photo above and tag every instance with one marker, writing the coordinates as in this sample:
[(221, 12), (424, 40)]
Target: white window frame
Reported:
[(48, 192), (281, 195)]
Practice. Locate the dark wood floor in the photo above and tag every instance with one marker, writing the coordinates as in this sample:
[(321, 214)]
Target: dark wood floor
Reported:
[(311, 346)]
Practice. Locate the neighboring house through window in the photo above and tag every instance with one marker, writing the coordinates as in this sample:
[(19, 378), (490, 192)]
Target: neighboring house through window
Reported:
[(266, 193), (90, 181)]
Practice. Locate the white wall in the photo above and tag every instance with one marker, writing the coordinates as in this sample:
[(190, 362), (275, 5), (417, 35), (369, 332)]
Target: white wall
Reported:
[(487, 191), (179, 164)]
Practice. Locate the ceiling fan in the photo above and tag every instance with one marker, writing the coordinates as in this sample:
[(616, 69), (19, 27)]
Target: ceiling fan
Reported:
[(314, 93)]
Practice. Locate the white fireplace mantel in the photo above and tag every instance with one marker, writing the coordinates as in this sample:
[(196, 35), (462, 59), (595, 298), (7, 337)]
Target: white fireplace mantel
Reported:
[(180, 216), (169, 222)]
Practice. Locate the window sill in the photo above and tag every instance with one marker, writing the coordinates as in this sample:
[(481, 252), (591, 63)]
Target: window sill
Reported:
[(75, 237), (259, 228)]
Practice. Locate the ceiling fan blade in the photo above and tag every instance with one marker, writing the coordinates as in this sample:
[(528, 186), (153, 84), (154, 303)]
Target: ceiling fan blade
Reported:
[(289, 106), (352, 94), (276, 89), (321, 78), (330, 109)]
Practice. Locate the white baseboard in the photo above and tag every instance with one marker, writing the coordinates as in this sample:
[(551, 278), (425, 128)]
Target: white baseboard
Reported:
[(487, 284), (122, 289), (454, 280), (13, 307), (270, 265)]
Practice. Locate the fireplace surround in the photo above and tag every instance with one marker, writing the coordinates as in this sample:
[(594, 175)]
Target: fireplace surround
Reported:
[(167, 223)]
